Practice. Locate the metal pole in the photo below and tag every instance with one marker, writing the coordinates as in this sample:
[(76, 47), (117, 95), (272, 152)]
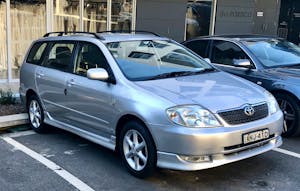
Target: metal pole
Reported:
[(49, 15), (133, 19), (81, 11), (8, 40), (213, 17), (108, 20)]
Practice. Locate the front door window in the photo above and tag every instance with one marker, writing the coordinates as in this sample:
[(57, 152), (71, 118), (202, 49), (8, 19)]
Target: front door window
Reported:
[(89, 56), (228, 53)]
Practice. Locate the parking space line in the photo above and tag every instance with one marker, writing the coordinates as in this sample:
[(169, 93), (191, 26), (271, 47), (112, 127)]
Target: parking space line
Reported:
[(297, 155), (77, 183), (20, 134)]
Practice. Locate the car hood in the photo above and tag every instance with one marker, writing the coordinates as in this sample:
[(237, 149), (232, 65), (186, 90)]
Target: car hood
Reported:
[(215, 91)]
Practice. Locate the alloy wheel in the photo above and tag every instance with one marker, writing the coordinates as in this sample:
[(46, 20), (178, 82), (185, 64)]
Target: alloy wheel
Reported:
[(135, 150), (289, 113), (35, 115)]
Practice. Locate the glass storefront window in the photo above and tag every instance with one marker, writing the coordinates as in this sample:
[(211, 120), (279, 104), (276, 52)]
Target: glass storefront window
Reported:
[(95, 15), (121, 15), (198, 18), (66, 15), (28, 22), (3, 50)]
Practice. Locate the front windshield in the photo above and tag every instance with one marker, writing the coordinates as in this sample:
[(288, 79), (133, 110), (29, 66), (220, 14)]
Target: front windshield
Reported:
[(146, 59), (274, 52)]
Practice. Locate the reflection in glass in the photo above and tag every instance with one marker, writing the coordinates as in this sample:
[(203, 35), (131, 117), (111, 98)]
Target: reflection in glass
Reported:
[(3, 52), (154, 59), (275, 53), (121, 17), (198, 18), (66, 15), (95, 15), (28, 22)]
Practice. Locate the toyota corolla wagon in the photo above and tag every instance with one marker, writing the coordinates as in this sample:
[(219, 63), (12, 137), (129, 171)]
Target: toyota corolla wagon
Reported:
[(149, 98)]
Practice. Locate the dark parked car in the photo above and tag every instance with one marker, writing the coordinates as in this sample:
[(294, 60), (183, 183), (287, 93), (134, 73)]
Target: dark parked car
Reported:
[(272, 63)]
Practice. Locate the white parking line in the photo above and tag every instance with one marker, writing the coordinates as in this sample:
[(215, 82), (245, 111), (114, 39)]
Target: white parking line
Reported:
[(20, 134), (287, 152), (51, 165)]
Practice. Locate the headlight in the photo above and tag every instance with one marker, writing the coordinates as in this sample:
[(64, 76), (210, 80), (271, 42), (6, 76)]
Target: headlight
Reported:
[(272, 103), (192, 116)]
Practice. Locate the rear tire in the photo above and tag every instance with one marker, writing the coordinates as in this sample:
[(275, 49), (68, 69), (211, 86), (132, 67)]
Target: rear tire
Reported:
[(291, 110), (36, 114), (137, 149)]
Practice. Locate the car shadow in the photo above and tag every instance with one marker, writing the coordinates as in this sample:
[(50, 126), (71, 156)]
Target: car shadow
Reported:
[(90, 157)]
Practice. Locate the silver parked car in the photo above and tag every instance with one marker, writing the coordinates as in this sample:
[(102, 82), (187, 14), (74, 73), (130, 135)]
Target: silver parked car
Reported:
[(149, 98)]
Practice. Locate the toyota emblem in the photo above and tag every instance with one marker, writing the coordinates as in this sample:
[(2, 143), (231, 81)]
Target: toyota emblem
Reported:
[(249, 110)]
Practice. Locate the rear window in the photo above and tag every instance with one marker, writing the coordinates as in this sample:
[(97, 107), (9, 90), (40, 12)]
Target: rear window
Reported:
[(36, 53)]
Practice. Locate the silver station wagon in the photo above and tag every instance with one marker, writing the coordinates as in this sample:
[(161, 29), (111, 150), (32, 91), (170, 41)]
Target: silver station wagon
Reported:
[(149, 98)]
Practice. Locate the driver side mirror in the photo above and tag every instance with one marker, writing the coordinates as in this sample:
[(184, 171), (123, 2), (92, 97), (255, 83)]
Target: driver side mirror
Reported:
[(97, 74), (242, 63), (207, 60)]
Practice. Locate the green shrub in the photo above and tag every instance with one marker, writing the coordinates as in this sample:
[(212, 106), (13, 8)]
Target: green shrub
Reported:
[(7, 97)]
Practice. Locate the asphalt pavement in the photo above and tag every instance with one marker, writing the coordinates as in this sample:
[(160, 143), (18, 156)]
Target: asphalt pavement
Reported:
[(59, 160)]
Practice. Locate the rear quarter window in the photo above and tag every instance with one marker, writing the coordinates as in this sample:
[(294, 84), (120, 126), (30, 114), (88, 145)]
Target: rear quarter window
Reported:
[(36, 53)]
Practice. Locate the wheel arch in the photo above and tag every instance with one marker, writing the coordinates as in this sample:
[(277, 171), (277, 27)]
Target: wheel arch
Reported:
[(282, 91), (126, 118), (29, 93)]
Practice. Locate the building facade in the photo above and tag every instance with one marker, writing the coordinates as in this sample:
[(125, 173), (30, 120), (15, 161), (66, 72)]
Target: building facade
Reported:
[(22, 21)]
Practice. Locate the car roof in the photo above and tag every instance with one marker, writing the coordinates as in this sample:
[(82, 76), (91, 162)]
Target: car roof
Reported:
[(117, 37), (105, 37), (238, 37)]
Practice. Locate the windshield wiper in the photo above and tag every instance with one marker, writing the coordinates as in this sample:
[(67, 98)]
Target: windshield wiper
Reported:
[(181, 73)]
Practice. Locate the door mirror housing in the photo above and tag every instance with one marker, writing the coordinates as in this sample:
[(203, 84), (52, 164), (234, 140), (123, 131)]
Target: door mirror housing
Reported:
[(207, 60), (97, 74), (242, 63)]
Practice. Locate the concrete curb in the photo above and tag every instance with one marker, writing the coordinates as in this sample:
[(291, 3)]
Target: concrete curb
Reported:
[(12, 120)]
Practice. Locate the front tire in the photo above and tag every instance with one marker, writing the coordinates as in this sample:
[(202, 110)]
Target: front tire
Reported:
[(291, 110), (137, 149), (36, 114)]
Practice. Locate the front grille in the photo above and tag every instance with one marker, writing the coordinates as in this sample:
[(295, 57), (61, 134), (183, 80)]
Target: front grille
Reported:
[(235, 117)]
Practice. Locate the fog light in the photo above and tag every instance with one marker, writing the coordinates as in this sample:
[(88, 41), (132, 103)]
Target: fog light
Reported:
[(195, 159)]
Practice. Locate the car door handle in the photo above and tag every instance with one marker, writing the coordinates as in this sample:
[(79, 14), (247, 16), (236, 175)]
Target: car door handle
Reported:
[(71, 83)]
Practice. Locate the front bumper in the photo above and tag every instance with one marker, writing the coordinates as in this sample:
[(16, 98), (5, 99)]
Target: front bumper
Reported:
[(174, 161), (222, 145)]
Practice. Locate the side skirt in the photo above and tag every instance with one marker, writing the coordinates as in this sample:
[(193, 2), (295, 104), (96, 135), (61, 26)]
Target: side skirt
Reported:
[(106, 142)]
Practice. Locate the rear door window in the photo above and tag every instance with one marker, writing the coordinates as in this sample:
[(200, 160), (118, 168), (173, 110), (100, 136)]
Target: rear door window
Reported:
[(36, 53), (199, 46), (60, 56)]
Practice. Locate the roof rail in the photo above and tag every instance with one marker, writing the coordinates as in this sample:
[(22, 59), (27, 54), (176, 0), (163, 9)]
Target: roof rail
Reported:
[(61, 33), (130, 31)]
